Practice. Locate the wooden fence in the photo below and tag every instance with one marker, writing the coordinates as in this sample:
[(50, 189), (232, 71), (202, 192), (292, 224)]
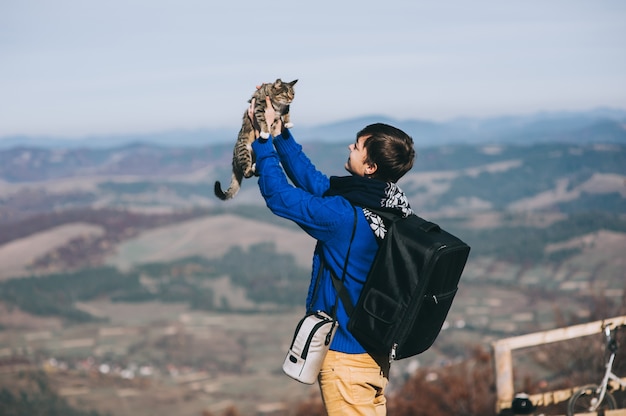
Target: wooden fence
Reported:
[(502, 350)]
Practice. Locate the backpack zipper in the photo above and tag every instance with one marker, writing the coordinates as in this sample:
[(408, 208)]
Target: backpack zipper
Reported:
[(392, 353), (428, 256)]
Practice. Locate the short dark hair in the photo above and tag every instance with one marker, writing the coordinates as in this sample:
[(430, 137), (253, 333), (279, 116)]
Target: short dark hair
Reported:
[(390, 149)]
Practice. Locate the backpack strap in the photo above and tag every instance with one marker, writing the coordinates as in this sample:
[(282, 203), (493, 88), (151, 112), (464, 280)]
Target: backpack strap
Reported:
[(390, 217), (425, 226), (343, 295), (338, 284)]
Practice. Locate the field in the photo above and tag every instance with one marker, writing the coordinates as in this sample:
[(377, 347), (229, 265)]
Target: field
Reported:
[(210, 237), (126, 366), (200, 318), (166, 356), (18, 255)]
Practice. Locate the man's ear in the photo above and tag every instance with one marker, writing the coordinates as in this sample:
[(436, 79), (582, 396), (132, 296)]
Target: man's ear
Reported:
[(371, 169)]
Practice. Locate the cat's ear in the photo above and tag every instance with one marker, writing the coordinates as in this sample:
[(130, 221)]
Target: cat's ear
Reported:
[(278, 83), (292, 83)]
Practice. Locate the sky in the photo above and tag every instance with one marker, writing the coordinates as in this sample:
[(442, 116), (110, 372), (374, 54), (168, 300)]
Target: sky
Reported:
[(76, 68)]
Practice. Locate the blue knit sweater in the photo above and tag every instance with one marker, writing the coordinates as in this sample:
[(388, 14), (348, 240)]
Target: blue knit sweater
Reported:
[(327, 219)]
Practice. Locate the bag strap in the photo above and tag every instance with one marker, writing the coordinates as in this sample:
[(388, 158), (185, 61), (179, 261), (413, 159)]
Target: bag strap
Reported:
[(317, 284), (338, 286), (345, 296), (345, 266), (426, 226), (391, 217)]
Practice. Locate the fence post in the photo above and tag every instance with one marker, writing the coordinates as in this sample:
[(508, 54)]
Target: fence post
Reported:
[(502, 351)]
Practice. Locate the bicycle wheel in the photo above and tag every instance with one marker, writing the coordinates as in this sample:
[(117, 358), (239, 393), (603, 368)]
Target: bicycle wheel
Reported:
[(585, 400)]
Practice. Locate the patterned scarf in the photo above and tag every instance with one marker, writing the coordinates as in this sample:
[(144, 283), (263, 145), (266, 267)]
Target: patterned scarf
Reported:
[(371, 193)]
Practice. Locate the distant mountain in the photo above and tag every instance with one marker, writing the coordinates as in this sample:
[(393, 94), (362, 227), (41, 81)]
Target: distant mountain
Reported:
[(172, 138), (600, 125), (450, 179), (23, 164), (595, 126), (564, 162)]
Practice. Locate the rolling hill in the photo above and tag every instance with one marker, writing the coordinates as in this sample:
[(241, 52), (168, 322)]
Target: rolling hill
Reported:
[(122, 257)]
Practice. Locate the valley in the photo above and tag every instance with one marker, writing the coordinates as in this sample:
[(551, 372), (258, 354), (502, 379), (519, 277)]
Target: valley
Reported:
[(131, 289)]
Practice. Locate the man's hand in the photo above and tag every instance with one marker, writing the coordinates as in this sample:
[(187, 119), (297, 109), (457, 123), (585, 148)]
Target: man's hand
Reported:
[(255, 124), (275, 128)]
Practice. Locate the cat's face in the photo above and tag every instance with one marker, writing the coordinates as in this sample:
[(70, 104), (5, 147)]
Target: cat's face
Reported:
[(283, 91)]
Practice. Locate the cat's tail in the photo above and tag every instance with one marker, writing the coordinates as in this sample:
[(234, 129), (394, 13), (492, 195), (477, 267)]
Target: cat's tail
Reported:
[(235, 186)]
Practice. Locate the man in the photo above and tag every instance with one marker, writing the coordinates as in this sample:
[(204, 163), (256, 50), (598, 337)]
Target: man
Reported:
[(352, 381)]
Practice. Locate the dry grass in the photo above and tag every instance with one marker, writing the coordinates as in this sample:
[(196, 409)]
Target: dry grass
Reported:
[(211, 237), (598, 183), (17, 255), (14, 318)]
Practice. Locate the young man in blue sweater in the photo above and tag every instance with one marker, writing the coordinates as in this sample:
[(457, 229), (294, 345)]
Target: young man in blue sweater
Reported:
[(352, 381)]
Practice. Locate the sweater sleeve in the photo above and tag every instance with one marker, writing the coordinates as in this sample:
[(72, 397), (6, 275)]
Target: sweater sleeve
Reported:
[(319, 216), (298, 166)]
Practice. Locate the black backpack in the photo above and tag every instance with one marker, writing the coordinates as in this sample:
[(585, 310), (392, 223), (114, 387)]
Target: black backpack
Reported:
[(409, 289)]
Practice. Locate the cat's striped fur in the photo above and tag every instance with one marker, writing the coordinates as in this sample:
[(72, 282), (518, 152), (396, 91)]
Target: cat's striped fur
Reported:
[(281, 95)]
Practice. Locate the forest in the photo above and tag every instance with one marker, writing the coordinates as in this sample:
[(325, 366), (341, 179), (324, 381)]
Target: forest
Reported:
[(179, 281), (255, 270)]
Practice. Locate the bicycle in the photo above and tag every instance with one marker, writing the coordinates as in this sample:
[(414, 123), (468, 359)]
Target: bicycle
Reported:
[(591, 398)]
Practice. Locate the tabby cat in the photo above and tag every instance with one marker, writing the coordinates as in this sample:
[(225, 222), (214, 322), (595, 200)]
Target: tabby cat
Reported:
[(281, 95)]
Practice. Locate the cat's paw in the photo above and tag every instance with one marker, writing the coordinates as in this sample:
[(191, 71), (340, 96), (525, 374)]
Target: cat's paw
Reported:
[(289, 125), (265, 135)]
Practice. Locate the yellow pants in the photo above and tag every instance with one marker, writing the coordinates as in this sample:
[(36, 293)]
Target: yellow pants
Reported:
[(354, 384)]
